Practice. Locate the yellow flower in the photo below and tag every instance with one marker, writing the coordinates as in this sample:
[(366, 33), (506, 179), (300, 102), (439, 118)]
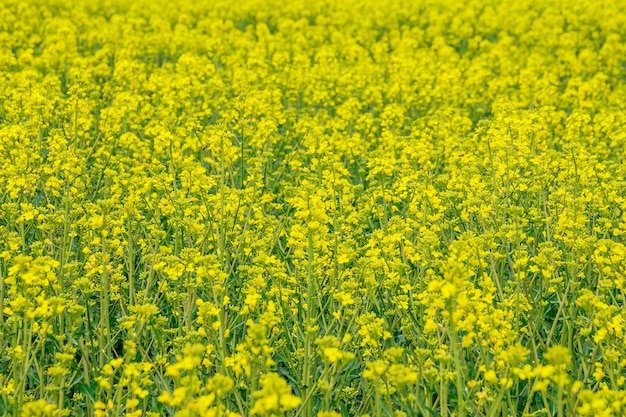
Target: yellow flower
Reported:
[(274, 396)]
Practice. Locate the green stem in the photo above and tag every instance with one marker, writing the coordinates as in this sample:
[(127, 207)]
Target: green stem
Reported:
[(457, 363), (307, 377)]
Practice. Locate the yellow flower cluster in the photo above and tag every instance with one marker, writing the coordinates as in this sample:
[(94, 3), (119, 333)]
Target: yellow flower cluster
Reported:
[(312, 208)]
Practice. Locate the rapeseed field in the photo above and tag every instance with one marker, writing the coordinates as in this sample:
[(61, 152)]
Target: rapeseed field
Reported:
[(312, 208)]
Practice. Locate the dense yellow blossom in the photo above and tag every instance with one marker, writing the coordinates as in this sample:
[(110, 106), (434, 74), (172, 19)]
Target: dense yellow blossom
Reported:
[(312, 208)]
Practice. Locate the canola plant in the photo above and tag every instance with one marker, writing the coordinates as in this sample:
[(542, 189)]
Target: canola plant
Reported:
[(312, 208)]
